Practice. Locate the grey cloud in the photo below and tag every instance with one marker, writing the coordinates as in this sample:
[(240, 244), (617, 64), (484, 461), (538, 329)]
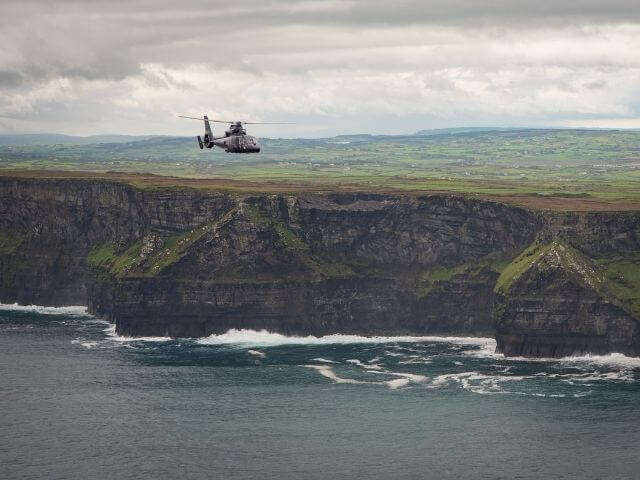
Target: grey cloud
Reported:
[(310, 53), (166, 80), (104, 39), (9, 79), (596, 84)]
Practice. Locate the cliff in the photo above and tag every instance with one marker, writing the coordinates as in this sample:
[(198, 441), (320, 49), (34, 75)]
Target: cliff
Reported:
[(556, 302), (316, 264), (190, 262)]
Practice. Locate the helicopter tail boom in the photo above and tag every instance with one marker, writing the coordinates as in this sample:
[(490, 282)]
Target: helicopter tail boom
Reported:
[(207, 127)]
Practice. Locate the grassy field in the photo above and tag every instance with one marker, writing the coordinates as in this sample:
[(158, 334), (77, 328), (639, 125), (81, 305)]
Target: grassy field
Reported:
[(557, 169)]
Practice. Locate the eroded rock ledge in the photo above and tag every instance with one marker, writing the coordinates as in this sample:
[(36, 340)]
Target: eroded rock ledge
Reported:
[(184, 262)]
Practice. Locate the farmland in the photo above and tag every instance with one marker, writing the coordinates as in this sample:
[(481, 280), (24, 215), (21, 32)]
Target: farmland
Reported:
[(594, 168)]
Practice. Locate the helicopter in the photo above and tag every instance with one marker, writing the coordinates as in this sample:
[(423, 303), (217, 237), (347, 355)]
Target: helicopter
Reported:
[(235, 139)]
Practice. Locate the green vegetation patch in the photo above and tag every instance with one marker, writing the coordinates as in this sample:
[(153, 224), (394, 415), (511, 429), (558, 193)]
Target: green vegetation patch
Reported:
[(328, 269), (615, 278), (622, 280), (134, 263), (287, 236), (9, 243), (429, 279), (108, 258), (291, 240), (174, 248), (551, 255), (520, 265)]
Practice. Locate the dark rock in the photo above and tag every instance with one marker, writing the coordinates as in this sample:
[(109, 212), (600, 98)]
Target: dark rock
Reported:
[(556, 308), (185, 262)]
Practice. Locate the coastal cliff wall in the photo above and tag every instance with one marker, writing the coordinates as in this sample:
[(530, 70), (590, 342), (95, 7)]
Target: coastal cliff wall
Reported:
[(48, 227), (188, 262)]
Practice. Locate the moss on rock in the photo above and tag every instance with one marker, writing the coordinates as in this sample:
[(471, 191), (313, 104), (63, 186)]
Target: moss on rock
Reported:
[(429, 279), (9, 243), (136, 262)]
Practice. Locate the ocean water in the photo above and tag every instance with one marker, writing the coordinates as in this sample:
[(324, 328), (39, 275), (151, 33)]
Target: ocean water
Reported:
[(79, 402)]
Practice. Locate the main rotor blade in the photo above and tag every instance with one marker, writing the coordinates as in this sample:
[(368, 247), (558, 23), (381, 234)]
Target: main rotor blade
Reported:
[(267, 123), (202, 118), (244, 123)]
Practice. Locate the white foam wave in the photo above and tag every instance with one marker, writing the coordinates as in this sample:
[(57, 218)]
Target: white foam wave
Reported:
[(84, 343), (487, 350), (366, 366), (415, 361), (96, 320), (613, 359), (70, 311), (476, 382), (265, 338), (111, 333), (398, 383), (328, 372), (373, 368), (586, 377), (322, 360), (404, 380)]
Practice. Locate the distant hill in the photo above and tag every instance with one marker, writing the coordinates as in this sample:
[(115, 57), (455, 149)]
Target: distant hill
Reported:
[(444, 131), (59, 139)]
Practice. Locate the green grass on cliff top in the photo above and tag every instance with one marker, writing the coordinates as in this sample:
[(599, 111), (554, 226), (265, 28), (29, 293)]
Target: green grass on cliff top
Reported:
[(569, 164)]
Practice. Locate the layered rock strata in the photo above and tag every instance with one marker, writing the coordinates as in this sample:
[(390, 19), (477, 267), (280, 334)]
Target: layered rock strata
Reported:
[(186, 262)]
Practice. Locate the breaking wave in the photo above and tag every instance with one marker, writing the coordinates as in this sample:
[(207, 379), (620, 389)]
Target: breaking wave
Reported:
[(263, 338), (110, 331), (610, 360), (613, 359), (74, 311)]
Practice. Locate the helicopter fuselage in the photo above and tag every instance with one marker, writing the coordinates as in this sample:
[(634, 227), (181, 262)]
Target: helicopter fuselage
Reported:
[(236, 143)]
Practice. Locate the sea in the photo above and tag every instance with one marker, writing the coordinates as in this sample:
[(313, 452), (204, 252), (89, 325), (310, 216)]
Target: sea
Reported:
[(78, 401)]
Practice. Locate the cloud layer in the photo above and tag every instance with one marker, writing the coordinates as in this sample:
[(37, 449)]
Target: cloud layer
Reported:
[(354, 66)]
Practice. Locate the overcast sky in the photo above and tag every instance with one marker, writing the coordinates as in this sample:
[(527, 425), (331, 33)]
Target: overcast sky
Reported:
[(116, 66)]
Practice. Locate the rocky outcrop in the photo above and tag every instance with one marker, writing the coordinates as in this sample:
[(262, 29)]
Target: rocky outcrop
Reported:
[(188, 262), (560, 304)]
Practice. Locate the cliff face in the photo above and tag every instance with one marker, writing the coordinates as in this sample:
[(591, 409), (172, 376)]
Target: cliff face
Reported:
[(184, 262), (318, 264), (50, 226), (562, 304)]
